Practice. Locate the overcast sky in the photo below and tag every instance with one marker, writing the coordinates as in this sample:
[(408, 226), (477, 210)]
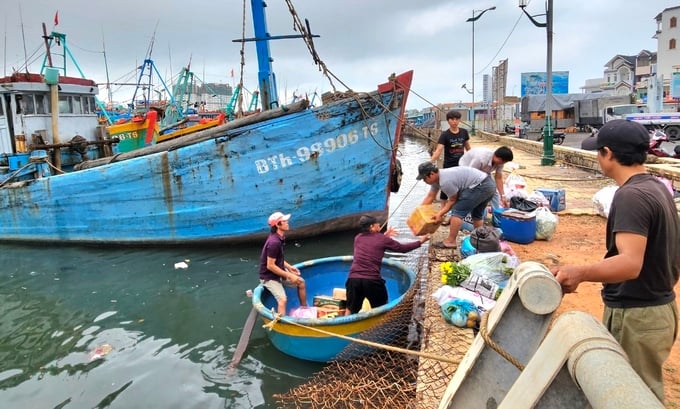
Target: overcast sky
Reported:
[(361, 41)]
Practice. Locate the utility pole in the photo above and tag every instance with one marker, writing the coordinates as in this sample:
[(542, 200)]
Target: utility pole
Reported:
[(472, 20), (548, 158)]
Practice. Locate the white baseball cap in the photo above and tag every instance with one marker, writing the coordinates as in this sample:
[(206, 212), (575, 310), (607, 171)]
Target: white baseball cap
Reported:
[(277, 217)]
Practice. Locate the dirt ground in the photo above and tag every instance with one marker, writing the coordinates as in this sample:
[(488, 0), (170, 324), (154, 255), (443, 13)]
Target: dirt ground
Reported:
[(580, 239)]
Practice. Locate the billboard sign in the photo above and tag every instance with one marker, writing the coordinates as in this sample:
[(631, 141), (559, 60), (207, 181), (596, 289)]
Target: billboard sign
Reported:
[(675, 85), (535, 83)]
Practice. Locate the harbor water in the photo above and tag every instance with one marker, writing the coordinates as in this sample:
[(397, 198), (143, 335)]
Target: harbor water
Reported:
[(94, 327)]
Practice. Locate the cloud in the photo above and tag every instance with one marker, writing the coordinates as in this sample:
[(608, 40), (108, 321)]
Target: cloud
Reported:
[(362, 42)]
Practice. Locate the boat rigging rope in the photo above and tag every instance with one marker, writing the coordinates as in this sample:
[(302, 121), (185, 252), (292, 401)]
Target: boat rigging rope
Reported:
[(395, 208), (239, 102), (483, 331), (307, 36), (32, 161), (278, 317)]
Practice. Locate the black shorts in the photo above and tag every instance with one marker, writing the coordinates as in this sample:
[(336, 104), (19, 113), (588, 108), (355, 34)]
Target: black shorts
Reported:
[(360, 288)]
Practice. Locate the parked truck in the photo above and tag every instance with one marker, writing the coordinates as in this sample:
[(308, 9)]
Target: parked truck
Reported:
[(592, 110), (668, 121)]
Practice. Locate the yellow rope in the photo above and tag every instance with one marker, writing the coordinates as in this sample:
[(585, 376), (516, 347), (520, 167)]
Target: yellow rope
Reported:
[(277, 318), (493, 345)]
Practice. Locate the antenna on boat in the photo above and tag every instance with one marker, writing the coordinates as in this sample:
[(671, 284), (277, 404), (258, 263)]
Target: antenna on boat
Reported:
[(47, 38), (106, 67), (4, 51), (23, 37)]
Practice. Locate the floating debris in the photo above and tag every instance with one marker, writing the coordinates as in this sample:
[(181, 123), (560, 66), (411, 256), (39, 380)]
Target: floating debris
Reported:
[(100, 352), (181, 264)]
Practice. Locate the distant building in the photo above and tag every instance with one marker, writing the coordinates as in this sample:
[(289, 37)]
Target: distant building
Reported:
[(637, 74), (668, 40)]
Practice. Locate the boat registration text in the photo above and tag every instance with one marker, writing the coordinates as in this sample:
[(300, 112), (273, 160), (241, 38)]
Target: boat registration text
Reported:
[(305, 153)]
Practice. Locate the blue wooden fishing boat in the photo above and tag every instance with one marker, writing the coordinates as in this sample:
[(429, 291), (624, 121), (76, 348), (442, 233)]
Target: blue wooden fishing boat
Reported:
[(327, 165), (297, 336)]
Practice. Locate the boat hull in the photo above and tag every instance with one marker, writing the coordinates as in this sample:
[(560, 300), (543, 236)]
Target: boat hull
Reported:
[(327, 166), (298, 336)]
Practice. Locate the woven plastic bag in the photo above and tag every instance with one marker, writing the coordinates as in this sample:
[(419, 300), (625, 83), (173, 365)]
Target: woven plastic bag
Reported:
[(546, 223), (461, 313), (602, 200)]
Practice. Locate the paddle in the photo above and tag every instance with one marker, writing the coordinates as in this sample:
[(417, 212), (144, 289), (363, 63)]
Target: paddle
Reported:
[(243, 341)]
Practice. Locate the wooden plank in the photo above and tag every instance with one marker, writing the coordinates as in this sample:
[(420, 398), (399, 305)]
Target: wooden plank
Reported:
[(243, 341)]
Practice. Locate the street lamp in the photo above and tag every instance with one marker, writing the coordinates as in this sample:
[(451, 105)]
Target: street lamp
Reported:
[(548, 158), (472, 20)]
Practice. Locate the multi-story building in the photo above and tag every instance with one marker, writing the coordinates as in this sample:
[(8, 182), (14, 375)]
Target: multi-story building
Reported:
[(668, 43), (638, 74)]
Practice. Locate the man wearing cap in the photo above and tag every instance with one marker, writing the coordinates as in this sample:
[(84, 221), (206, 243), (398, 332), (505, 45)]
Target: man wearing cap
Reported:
[(274, 271), (469, 190), (364, 280), (641, 265)]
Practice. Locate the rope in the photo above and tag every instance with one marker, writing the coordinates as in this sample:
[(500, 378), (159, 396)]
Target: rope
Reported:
[(277, 318), (399, 205), (493, 345), (31, 162)]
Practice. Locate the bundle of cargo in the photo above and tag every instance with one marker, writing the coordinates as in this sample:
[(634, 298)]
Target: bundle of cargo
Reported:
[(330, 306), (421, 220)]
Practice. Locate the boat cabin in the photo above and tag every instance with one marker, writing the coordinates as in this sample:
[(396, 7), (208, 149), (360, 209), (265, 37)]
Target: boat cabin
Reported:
[(26, 115)]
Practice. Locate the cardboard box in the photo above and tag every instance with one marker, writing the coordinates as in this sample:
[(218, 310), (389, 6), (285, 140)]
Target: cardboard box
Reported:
[(340, 294), (329, 312), (327, 301), (556, 197), (420, 221)]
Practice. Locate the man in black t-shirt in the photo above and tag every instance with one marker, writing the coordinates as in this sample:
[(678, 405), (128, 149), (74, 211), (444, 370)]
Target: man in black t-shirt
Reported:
[(454, 142), (641, 266)]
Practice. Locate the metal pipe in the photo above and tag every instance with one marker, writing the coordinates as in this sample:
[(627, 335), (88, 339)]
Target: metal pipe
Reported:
[(595, 361), (54, 100)]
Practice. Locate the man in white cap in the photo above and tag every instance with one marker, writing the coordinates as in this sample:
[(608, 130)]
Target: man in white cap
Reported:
[(275, 272), (642, 263)]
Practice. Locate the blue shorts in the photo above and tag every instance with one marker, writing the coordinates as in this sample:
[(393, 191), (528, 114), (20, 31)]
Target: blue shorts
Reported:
[(474, 200)]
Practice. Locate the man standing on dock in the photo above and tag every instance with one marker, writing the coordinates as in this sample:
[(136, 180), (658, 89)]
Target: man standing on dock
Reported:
[(642, 263), (488, 161), (453, 141), (469, 190)]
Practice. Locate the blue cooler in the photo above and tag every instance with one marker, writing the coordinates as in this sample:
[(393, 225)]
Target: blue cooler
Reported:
[(556, 197), (518, 226)]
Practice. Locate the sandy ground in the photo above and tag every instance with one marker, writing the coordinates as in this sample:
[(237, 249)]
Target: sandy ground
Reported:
[(580, 239)]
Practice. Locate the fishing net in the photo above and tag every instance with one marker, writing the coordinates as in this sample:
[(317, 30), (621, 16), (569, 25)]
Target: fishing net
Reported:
[(410, 369)]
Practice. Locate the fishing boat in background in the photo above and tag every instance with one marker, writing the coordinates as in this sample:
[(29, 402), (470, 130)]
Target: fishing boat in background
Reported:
[(327, 165), (135, 133), (299, 337), (48, 112)]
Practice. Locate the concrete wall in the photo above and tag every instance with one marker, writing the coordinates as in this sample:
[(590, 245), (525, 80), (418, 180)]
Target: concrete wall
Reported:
[(664, 167)]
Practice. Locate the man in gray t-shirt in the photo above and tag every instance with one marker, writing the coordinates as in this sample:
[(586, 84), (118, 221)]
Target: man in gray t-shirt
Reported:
[(488, 160), (468, 189)]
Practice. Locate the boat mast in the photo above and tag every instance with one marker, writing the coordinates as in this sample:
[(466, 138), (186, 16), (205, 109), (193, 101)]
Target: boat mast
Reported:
[(265, 74), (106, 67)]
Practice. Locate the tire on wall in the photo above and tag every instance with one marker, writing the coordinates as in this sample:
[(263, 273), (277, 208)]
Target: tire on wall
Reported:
[(395, 177)]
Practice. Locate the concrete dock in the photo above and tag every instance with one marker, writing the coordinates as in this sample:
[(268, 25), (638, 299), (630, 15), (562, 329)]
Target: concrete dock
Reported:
[(577, 172)]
